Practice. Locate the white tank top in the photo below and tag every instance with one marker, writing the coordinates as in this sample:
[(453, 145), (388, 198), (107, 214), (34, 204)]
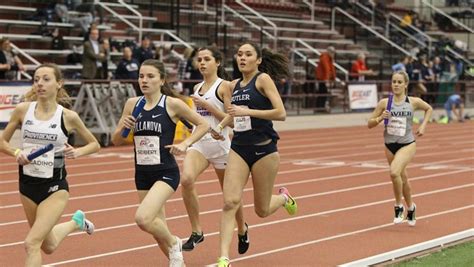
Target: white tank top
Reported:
[(211, 96), (36, 134)]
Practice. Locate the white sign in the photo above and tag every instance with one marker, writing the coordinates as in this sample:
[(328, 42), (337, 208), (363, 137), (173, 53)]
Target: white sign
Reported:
[(10, 96), (362, 96)]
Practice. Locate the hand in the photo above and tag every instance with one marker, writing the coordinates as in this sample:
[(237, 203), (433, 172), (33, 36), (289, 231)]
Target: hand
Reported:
[(70, 152), (21, 67), (199, 102), (216, 134), (177, 149), (420, 131), (238, 111), (129, 122), (385, 114), (22, 159)]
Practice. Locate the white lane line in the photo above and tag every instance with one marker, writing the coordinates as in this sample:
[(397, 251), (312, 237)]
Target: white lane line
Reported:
[(270, 251)]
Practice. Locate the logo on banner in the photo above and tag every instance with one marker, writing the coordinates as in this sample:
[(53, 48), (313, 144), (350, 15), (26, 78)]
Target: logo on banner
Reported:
[(362, 96)]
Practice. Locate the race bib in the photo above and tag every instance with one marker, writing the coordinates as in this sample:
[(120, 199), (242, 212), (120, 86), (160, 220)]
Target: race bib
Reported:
[(147, 149), (397, 126), (242, 124), (40, 167)]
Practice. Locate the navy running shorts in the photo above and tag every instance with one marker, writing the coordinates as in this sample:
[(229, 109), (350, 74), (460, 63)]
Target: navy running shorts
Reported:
[(144, 180), (252, 153)]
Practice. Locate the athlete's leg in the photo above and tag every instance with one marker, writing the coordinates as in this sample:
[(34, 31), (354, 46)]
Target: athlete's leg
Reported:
[(239, 216), (264, 172), (194, 164), (42, 219), (397, 165), (150, 214), (236, 176)]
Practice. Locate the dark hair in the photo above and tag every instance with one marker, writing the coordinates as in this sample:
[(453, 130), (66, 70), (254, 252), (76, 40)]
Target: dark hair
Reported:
[(62, 96), (221, 72), (165, 88), (273, 64)]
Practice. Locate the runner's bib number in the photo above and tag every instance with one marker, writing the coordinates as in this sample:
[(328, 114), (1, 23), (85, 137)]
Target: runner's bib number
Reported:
[(397, 126), (242, 123), (40, 167), (147, 149)]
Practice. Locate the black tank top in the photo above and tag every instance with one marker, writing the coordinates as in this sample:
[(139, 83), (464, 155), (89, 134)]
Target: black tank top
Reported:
[(261, 129), (154, 130)]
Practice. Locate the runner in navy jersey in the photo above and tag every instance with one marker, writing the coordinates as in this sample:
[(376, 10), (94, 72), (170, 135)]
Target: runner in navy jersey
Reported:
[(255, 103), (400, 146), (156, 171), (44, 190), (208, 98)]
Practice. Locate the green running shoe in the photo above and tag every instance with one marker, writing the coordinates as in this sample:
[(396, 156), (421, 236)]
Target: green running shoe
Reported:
[(290, 204), (223, 262)]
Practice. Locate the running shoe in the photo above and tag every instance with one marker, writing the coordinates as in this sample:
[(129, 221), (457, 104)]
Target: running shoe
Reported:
[(85, 225), (244, 241), (398, 215), (290, 204), (223, 262), (176, 254), (193, 240), (411, 216)]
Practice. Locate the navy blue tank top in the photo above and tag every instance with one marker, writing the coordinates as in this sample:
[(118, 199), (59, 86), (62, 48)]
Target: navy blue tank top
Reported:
[(261, 129), (154, 130)]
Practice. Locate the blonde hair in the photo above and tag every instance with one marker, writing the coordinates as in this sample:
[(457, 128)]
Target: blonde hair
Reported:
[(405, 77), (62, 97)]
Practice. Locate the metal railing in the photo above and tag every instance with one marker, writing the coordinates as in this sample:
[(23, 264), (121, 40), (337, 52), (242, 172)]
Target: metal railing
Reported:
[(140, 17), (441, 12), (426, 36), (312, 49), (368, 28), (311, 7), (275, 28), (237, 14)]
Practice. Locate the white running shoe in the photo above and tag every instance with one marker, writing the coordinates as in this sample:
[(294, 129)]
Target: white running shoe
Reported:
[(176, 254)]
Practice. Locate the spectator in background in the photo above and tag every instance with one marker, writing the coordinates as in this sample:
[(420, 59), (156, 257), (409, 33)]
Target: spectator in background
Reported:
[(93, 56), (127, 68), (455, 105), (325, 74), (193, 70), (145, 51), (359, 69), (57, 42), (10, 63)]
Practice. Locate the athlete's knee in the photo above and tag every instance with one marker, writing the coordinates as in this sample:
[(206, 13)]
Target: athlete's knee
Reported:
[(144, 221), (48, 247), (32, 245), (187, 181), (395, 174), (231, 203), (262, 212)]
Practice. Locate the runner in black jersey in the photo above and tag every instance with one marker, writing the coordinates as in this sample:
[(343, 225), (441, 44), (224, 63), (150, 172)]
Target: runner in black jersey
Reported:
[(255, 103), (400, 145), (208, 98), (44, 190), (156, 171)]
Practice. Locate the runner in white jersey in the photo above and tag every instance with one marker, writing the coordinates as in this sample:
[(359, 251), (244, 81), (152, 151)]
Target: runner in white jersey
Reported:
[(44, 191), (400, 145), (208, 98)]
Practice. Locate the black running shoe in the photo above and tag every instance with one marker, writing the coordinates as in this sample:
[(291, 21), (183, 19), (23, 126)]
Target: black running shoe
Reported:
[(193, 240), (411, 217), (398, 215), (244, 241)]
